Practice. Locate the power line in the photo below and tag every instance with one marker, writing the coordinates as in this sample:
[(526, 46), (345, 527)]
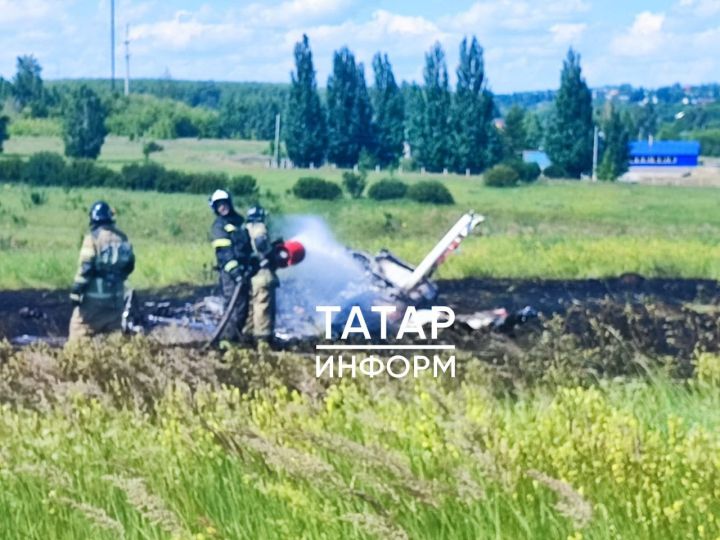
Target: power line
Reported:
[(112, 44), (127, 59)]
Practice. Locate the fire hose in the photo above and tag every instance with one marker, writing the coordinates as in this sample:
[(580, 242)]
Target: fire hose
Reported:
[(228, 313), (286, 254)]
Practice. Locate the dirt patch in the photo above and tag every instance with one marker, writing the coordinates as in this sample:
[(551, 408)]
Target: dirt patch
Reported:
[(47, 313)]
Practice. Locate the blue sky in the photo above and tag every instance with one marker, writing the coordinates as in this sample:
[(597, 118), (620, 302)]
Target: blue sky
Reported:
[(643, 42)]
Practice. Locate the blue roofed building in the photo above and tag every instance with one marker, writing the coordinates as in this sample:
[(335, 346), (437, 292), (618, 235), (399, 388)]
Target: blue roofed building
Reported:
[(664, 153), (536, 156)]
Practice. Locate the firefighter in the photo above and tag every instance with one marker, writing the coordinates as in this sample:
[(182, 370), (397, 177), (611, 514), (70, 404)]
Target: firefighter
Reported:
[(233, 252), (262, 322), (106, 260)]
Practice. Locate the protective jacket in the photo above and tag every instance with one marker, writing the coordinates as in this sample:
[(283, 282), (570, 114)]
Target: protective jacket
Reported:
[(264, 283), (233, 249), (106, 260)]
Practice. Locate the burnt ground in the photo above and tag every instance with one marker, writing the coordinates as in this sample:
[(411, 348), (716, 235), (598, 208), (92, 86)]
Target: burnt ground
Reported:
[(557, 296), (47, 312)]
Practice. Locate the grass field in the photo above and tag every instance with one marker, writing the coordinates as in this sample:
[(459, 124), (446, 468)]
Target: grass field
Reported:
[(131, 452), (126, 438), (551, 229)]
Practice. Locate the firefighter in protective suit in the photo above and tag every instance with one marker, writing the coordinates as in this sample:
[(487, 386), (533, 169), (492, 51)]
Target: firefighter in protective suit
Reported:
[(264, 282), (98, 292), (234, 260)]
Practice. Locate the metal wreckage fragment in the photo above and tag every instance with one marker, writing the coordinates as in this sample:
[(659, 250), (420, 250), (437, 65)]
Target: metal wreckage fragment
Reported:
[(385, 280)]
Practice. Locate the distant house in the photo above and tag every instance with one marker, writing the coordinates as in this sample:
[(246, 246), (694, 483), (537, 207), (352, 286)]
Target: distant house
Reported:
[(536, 156), (664, 153)]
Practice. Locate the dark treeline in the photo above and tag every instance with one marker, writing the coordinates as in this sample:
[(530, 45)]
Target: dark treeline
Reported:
[(367, 118)]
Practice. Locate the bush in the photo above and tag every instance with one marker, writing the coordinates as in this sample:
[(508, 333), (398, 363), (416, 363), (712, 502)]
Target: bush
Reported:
[(86, 173), (354, 183), (145, 176), (527, 172), (150, 148), (430, 191), (243, 186), (501, 176), (35, 127), (11, 169), (193, 182), (709, 141), (47, 169), (310, 187), (555, 171), (387, 188), (176, 182), (44, 169), (38, 198)]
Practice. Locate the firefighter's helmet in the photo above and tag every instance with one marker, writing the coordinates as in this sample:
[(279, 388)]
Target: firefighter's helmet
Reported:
[(100, 212), (256, 214), (218, 196)]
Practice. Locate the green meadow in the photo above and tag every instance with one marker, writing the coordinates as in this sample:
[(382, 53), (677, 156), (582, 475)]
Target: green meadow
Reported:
[(551, 229)]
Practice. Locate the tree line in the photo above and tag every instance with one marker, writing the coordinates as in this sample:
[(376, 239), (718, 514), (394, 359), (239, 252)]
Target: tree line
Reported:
[(351, 122), (445, 130)]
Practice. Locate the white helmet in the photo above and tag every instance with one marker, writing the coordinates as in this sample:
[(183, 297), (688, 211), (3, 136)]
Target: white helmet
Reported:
[(219, 195)]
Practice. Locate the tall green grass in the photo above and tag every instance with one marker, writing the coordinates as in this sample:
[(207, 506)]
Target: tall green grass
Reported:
[(103, 442)]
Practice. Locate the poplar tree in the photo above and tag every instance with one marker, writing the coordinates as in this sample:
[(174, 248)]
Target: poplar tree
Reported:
[(569, 138), (430, 131), (515, 134), (472, 112), (84, 124), (616, 153), (349, 110), (4, 135), (305, 127), (389, 112)]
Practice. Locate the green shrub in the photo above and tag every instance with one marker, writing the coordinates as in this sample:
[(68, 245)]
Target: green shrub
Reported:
[(175, 182), (310, 187), (144, 115), (11, 169), (193, 182), (387, 188), (430, 191), (48, 169), (354, 183), (555, 171), (145, 176), (86, 173), (38, 198), (35, 127), (501, 176), (709, 141), (43, 169), (527, 172), (243, 186), (150, 148)]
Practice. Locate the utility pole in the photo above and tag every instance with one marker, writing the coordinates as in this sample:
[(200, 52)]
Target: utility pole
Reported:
[(596, 135), (127, 59), (112, 44), (277, 140)]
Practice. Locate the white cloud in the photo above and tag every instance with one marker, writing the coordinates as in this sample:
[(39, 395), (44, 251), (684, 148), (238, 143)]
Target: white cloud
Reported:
[(12, 11), (293, 12), (402, 35), (515, 15), (700, 8), (185, 30), (567, 33), (525, 40), (643, 38)]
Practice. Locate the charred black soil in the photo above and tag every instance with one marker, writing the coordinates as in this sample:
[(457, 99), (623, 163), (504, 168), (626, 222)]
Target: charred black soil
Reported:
[(657, 317)]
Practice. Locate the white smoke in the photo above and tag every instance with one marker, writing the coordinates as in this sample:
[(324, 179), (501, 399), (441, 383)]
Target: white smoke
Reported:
[(328, 275)]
